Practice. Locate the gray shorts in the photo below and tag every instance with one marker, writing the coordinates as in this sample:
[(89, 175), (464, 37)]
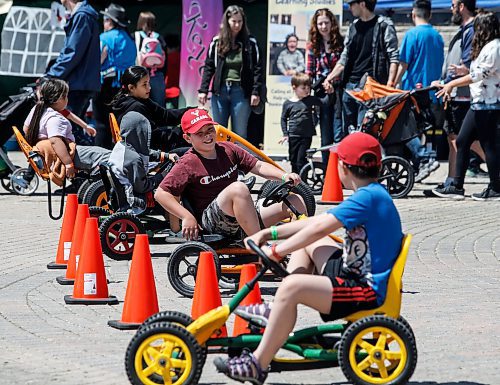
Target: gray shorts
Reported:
[(216, 221)]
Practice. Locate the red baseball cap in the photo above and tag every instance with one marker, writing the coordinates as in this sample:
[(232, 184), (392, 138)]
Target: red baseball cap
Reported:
[(195, 119), (352, 148)]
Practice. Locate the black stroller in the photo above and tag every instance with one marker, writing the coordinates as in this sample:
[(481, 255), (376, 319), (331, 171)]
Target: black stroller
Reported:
[(13, 112)]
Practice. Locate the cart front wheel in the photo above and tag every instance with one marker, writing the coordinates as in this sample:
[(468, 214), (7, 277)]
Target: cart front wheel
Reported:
[(163, 353), (378, 350)]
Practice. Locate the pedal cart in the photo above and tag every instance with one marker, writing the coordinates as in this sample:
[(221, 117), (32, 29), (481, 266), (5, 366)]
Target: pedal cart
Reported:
[(372, 347)]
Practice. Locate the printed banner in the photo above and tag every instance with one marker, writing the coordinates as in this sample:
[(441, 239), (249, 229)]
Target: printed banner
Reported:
[(285, 17), (200, 23), (29, 41)]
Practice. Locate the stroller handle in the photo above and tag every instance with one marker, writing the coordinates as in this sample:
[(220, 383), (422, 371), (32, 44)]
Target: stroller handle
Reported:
[(425, 89)]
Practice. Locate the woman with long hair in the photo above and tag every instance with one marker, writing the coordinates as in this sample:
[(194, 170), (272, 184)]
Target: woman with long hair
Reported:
[(323, 51), (482, 120), (233, 61)]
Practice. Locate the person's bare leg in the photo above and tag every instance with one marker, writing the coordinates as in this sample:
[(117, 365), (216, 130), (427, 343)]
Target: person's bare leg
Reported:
[(295, 289), (476, 147), (235, 200), (452, 155)]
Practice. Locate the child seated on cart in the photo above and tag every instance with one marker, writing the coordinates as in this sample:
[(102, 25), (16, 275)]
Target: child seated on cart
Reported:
[(206, 176), (350, 277)]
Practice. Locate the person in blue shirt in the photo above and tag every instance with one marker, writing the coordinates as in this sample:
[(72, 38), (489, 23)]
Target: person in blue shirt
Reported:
[(78, 62), (421, 58), (352, 276), (118, 53)]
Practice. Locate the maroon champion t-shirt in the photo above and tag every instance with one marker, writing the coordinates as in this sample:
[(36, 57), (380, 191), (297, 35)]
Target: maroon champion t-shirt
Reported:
[(200, 180)]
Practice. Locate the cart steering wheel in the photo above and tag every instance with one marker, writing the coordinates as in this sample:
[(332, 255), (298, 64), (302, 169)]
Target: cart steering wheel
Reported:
[(275, 267), (278, 194)]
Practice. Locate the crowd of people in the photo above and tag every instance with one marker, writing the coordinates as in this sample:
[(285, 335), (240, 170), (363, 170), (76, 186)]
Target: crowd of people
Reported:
[(98, 67)]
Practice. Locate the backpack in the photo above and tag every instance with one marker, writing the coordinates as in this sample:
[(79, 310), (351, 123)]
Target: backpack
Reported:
[(150, 54)]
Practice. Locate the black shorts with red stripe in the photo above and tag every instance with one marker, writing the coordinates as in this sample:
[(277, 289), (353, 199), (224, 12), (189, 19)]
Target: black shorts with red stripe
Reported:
[(348, 294)]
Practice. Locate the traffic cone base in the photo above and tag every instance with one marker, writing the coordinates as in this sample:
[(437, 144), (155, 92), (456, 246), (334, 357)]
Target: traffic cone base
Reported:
[(70, 300), (124, 325), (65, 281), (141, 300), (55, 265)]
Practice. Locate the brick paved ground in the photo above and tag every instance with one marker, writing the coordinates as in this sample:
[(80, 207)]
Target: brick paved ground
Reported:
[(452, 299)]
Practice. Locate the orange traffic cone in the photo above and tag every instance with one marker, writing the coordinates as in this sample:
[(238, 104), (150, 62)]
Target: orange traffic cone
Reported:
[(82, 214), (247, 273), (141, 300), (64, 247), (206, 291), (332, 188), (91, 286)]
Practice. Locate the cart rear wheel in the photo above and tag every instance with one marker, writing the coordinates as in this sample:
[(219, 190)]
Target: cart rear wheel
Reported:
[(19, 189), (314, 176), (82, 190), (378, 350), (397, 176), (183, 265), (96, 195), (118, 232), (163, 353)]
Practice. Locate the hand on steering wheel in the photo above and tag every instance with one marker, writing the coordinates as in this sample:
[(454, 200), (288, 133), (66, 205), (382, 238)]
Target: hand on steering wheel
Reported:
[(277, 194), (274, 266)]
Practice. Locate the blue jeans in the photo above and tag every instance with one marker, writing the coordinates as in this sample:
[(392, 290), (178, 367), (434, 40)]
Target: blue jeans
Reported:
[(232, 102), (326, 124), (157, 83), (353, 111)]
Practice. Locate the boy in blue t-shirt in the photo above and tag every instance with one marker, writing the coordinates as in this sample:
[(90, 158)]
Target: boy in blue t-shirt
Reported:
[(352, 276)]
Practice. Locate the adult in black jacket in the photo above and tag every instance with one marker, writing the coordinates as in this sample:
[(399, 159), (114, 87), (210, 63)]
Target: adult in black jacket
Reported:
[(233, 61)]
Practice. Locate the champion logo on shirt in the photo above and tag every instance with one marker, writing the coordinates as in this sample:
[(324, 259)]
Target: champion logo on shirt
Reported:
[(209, 178)]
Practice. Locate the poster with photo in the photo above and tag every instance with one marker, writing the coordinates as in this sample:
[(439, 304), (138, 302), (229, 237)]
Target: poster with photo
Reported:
[(287, 19)]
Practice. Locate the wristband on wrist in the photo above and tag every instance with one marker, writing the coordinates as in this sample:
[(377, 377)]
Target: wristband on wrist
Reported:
[(69, 165), (275, 253), (274, 233), (283, 177), (162, 157)]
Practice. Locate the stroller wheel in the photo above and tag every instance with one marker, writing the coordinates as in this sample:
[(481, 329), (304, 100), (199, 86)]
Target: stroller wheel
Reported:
[(314, 176), (21, 186), (397, 176)]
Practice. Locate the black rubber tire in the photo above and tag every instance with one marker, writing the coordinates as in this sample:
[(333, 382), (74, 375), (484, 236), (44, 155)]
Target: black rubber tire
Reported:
[(181, 252), (97, 212), (193, 348), (302, 189), (397, 176), (96, 195), (398, 328), (82, 190), (113, 228), (314, 181), (16, 189)]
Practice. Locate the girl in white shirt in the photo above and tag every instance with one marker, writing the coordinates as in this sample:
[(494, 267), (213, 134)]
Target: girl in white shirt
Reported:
[(482, 120)]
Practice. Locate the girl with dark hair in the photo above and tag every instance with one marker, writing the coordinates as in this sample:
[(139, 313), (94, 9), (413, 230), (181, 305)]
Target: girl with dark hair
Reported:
[(117, 54), (45, 122), (134, 95), (291, 60), (483, 119), (233, 61), (323, 51)]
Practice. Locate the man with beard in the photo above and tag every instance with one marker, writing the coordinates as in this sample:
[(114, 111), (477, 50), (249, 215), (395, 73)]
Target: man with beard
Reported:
[(457, 64)]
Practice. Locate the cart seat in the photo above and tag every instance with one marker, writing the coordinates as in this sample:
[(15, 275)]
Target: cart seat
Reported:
[(34, 158), (392, 304), (115, 128)]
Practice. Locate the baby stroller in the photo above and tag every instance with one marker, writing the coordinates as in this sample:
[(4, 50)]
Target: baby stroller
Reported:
[(13, 112), (394, 117)]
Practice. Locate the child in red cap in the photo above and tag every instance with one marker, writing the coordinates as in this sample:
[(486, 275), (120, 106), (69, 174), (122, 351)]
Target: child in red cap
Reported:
[(353, 275), (207, 176)]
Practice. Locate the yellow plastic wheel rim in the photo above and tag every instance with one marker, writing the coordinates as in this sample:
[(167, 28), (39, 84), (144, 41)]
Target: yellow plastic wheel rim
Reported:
[(102, 200), (165, 355), (385, 359)]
